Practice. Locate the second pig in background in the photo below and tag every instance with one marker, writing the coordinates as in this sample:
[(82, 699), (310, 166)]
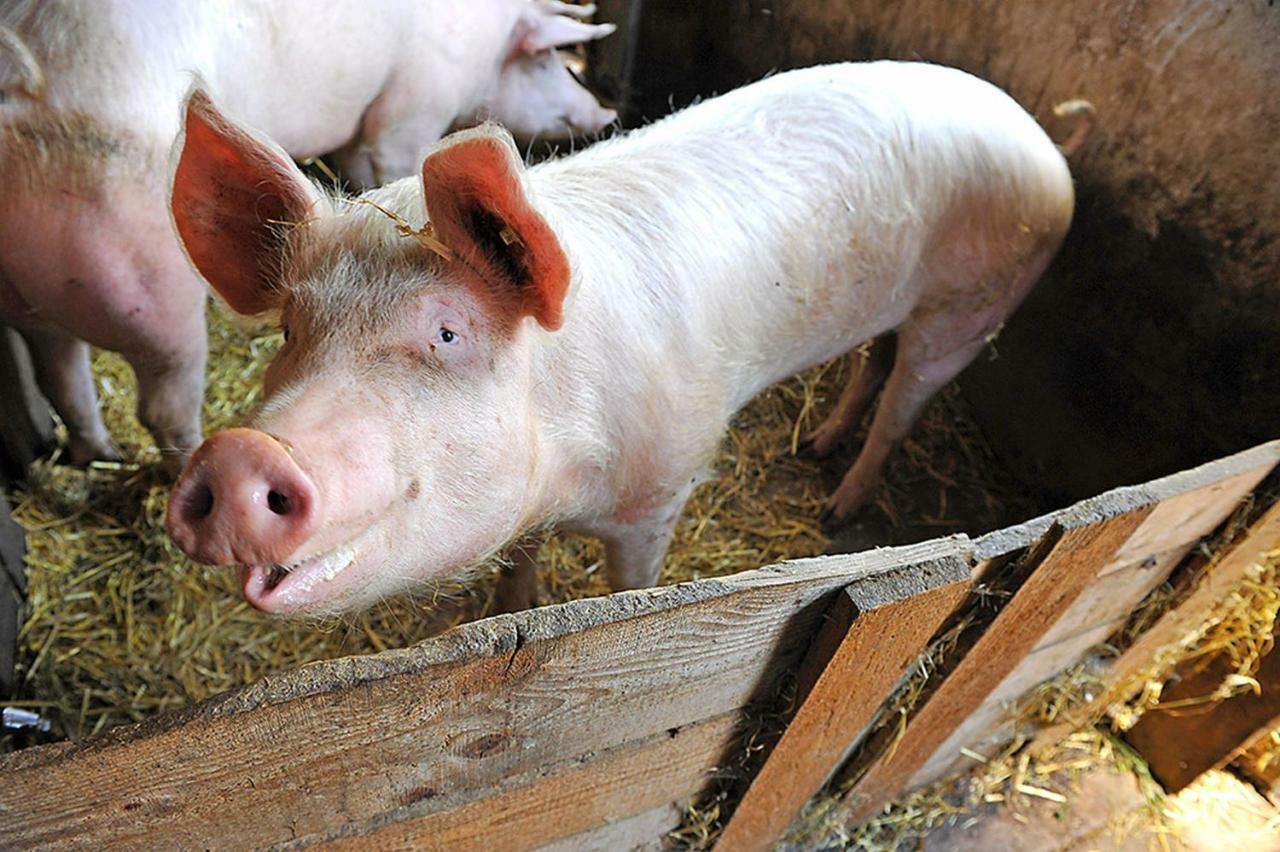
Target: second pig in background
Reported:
[(90, 98), (568, 344)]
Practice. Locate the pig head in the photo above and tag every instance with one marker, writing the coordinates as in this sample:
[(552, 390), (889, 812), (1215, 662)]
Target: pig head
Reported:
[(397, 440), (536, 94)]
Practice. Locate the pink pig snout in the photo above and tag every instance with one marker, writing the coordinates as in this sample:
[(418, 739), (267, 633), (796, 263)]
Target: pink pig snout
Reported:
[(242, 500)]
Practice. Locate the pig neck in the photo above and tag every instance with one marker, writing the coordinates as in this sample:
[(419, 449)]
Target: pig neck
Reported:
[(633, 392)]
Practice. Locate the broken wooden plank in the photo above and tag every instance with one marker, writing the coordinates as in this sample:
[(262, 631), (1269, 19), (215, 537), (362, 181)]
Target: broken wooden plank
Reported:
[(885, 630), (1164, 639), (1181, 738), (1182, 509), (346, 740), (1068, 565), (553, 804)]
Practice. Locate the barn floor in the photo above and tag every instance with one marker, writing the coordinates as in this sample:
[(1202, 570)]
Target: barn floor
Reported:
[(1111, 808), (1089, 792)]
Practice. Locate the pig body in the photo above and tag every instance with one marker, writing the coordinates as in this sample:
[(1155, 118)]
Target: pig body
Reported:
[(575, 357), (90, 96)]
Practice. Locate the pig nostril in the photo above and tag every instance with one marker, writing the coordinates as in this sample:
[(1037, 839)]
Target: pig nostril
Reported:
[(200, 502), (278, 503)]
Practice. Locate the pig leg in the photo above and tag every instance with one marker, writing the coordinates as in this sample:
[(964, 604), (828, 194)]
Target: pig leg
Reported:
[(170, 393), (517, 581), (934, 345), (634, 552), (857, 395), (61, 363), (917, 375), (392, 136)]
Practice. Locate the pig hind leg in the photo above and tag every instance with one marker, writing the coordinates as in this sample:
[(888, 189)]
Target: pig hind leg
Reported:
[(392, 135), (863, 385), (61, 364), (917, 375), (933, 346)]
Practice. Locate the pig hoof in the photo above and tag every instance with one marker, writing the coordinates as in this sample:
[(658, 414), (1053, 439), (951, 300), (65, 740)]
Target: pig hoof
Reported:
[(173, 462), (816, 446), (839, 508), (828, 520), (81, 453)]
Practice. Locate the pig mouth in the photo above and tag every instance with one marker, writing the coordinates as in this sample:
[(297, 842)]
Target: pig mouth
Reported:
[(285, 586)]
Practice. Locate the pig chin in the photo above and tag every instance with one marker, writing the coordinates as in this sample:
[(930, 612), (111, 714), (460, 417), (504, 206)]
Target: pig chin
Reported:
[(356, 574), (322, 583)]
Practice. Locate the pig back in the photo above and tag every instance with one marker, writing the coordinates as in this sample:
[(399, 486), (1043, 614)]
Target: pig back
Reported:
[(770, 229)]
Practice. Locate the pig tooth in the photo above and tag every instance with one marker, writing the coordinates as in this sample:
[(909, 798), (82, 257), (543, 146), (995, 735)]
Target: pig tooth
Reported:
[(337, 562), (274, 575)]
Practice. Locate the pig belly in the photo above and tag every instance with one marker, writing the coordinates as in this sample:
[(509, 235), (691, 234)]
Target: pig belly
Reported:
[(110, 281)]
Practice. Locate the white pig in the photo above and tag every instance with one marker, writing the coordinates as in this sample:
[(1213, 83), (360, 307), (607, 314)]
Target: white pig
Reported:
[(566, 343), (90, 103)]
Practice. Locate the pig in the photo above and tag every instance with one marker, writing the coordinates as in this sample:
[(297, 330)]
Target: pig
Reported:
[(495, 348), (90, 104)]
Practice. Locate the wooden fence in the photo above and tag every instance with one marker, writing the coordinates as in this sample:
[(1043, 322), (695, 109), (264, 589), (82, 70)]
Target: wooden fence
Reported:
[(593, 723)]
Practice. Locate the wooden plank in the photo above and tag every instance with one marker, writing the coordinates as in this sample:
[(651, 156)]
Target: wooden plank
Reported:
[(885, 634), (344, 741), (1168, 633), (529, 812), (646, 831), (1184, 508), (1181, 743), (1062, 574)]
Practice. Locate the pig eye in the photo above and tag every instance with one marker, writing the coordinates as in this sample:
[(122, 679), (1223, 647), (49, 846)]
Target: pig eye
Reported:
[(284, 329), (447, 336)]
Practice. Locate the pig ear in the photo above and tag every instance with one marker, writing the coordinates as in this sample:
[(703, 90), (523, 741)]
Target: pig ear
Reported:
[(234, 195), (475, 198), (542, 28)]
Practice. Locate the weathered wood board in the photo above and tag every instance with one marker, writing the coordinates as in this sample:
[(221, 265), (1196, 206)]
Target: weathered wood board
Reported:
[(1179, 511), (1180, 744), (1020, 626), (597, 718), (1146, 656), (1099, 558), (435, 727), (549, 804), (884, 633)]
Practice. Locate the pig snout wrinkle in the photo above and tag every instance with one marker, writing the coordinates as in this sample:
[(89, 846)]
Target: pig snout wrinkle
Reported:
[(242, 500)]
